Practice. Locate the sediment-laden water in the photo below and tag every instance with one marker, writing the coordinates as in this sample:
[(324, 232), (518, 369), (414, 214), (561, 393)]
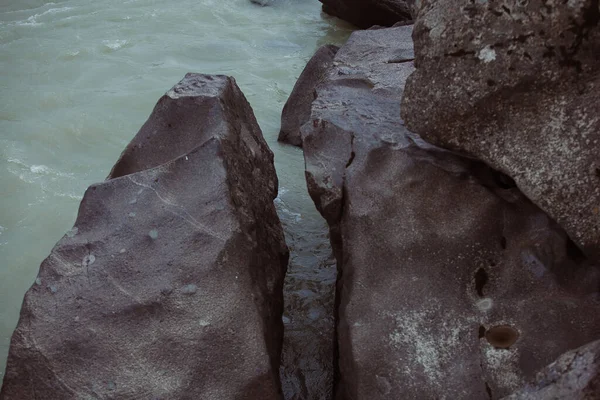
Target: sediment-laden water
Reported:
[(79, 78)]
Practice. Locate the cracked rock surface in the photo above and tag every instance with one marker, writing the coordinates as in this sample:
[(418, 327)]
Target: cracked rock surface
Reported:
[(452, 284), (516, 84), (574, 376), (169, 286)]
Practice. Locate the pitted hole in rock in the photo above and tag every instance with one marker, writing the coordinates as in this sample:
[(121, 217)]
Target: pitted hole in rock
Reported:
[(591, 16), (481, 331), (502, 336), (481, 279), (504, 181), (88, 260), (574, 252), (503, 243), (488, 389)]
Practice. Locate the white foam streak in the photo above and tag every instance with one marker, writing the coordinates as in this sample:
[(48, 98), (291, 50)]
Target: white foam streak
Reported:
[(33, 20)]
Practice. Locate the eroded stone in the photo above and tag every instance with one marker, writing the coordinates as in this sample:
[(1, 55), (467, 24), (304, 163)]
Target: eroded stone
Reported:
[(575, 376), (203, 177), (515, 84), (441, 258)]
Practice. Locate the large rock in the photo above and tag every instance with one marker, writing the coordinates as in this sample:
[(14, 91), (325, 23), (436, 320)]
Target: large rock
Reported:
[(452, 285), (574, 376), (296, 111), (516, 85), (366, 13), (169, 286)]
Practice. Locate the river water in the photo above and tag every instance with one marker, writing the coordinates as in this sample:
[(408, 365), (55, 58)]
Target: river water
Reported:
[(79, 78)]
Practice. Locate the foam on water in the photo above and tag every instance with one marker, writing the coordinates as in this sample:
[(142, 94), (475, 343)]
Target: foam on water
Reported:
[(33, 19), (114, 44), (79, 78)]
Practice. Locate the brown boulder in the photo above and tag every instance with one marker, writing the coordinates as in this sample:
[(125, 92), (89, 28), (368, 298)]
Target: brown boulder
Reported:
[(452, 284), (515, 84), (366, 13), (296, 111), (169, 286), (574, 376)]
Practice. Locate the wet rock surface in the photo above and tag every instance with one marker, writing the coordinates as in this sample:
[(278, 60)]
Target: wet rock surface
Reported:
[(366, 13), (451, 283), (515, 84), (170, 283), (296, 111), (574, 376), (307, 354)]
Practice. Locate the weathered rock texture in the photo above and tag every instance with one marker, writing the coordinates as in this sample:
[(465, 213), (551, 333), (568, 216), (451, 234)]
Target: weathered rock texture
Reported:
[(296, 111), (516, 84), (170, 284), (366, 13), (574, 376), (452, 284)]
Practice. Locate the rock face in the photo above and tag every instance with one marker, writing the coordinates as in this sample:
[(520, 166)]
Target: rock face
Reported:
[(516, 85), (452, 285), (169, 286), (296, 111), (366, 13), (574, 376)]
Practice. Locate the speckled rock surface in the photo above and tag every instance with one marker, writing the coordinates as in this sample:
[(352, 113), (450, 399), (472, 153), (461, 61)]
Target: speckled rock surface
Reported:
[(296, 111), (452, 284), (366, 13), (516, 84), (574, 376), (169, 286)]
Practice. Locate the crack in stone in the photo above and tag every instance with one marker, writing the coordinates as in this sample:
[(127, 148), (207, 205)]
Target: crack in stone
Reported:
[(187, 217)]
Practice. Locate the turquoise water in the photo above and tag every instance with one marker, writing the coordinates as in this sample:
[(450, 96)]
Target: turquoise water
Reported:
[(78, 80)]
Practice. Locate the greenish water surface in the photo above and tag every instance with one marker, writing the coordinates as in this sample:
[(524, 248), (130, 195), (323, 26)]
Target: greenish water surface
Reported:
[(79, 78)]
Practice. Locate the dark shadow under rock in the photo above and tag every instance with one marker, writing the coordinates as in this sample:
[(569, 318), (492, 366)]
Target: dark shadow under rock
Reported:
[(366, 13)]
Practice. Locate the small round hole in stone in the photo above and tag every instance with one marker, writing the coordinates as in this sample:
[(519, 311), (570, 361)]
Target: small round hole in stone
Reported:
[(502, 336)]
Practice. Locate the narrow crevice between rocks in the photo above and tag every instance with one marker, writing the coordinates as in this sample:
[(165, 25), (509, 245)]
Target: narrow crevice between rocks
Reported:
[(307, 362), (488, 389), (336, 237)]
